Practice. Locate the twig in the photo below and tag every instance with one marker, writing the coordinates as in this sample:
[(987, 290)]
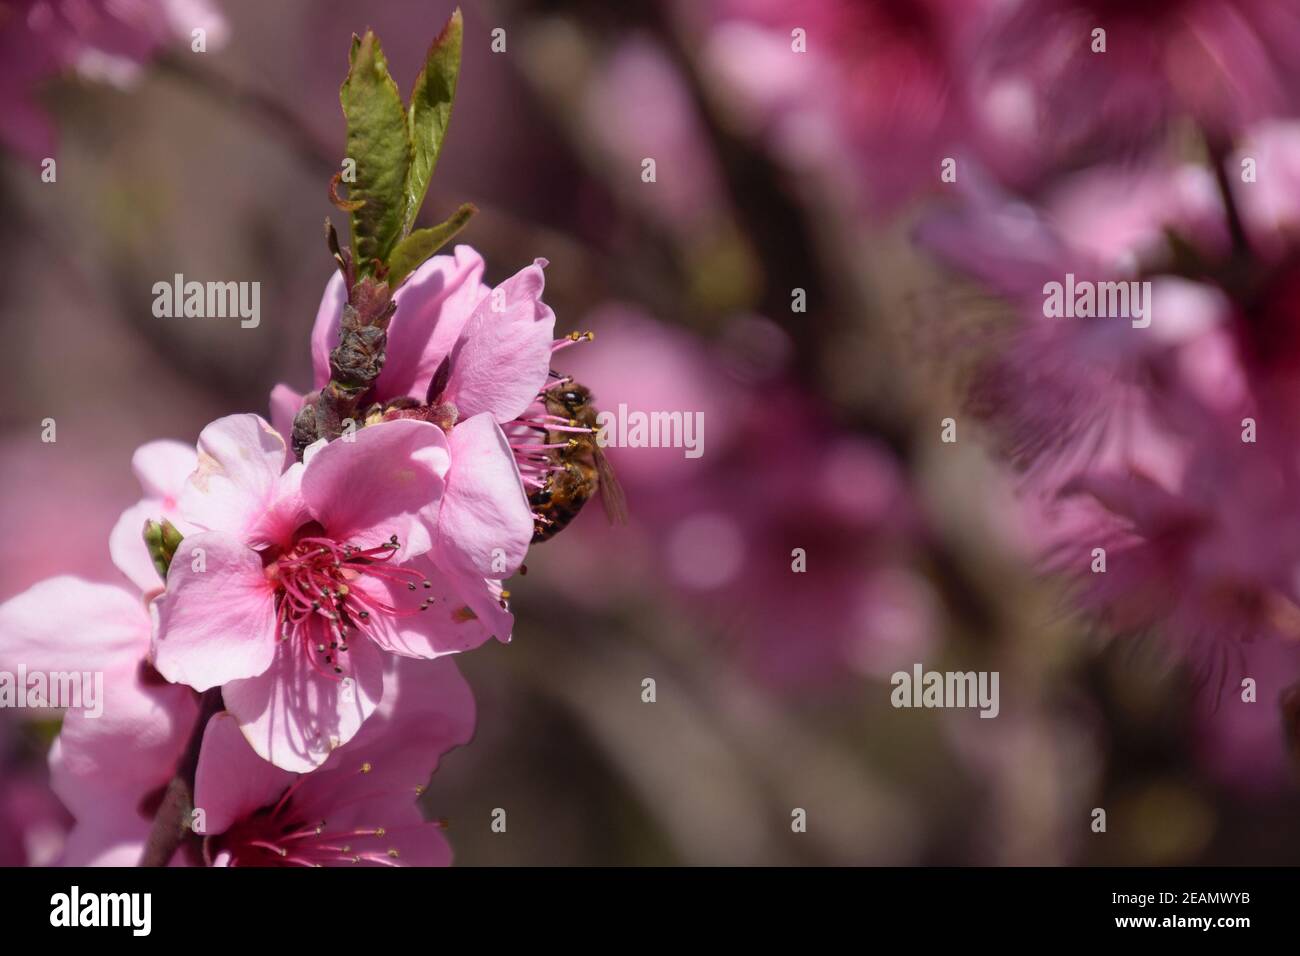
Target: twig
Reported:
[(171, 823)]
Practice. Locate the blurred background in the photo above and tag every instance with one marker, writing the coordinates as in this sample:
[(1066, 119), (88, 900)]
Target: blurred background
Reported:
[(766, 279)]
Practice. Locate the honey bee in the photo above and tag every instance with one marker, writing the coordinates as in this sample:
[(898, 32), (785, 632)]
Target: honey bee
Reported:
[(581, 468)]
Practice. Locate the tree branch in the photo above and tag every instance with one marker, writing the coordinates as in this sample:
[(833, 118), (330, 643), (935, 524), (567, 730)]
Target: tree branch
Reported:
[(171, 824)]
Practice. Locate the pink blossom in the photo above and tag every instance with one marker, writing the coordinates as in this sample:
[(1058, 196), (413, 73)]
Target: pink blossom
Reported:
[(1059, 393), (101, 767), (498, 341), (33, 823), (1130, 439), (1224, 64), (298, 578), (665, 125), (1244, 742), (100, 39), (161, 468), (86, 626), (879, 98), (497, 345), (707, 528), (1211, 559), (359, 807)]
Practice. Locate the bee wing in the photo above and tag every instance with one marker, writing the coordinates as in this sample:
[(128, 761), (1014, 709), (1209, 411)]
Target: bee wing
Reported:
[(611, 492)]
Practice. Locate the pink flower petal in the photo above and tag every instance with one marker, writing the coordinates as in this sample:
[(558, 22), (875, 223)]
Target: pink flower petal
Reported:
[(285, 403), (432, 309), (286, 513), (126, 544), (481, 598), (427, 710), (216, 620), (446, 626), (295, 716), (365, 490), (105, 768), (162, 467), (115, 749), (433, 306), (485, 523), (502, 358), (67, 624), (325, 332), (232, 781), (240, 458)]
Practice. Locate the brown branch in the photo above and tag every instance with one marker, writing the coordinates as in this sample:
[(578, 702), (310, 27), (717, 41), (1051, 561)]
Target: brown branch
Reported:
[(171, 824)]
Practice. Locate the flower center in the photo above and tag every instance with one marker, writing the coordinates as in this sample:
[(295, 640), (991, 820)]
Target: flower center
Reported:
[(286, 835), (320, 603)]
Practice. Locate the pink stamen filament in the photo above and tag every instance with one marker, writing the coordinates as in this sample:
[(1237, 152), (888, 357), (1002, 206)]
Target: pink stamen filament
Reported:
[(285, 839), (320, 604)]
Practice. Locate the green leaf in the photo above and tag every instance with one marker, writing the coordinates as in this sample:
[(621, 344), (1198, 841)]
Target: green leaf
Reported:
[(430, 112), (412, 251), (378, 142)]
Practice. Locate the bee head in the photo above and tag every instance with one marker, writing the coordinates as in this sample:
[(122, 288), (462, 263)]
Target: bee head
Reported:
[(573, 397)]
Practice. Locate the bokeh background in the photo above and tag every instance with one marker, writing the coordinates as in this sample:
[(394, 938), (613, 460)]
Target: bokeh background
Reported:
[(821, 429)]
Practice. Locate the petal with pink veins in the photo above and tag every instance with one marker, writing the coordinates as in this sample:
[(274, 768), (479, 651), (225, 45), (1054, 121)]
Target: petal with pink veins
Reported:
[(217, 618), (162, 467), (294, 715), (446, 625), (484, 523), (433, 306), (240, 458), (232, 781), (432, 309), (502, 358), (367, 489), (67, 624)]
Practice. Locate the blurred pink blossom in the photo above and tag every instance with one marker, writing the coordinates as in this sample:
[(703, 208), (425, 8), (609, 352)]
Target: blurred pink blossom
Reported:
[(1142, 440), (120, 628), (33, 823), (878, 98), (1223, 63), (1244, 743), (722, 529), (100, 39), (101, 766), (665, 126)]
